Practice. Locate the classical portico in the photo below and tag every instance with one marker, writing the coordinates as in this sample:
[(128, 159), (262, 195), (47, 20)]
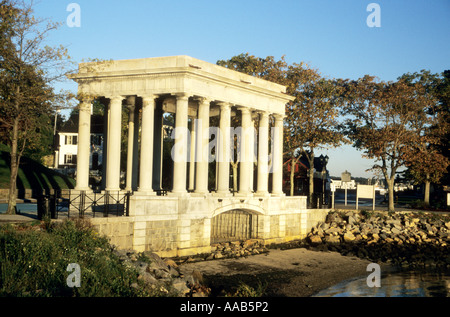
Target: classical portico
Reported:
[(197, 93)]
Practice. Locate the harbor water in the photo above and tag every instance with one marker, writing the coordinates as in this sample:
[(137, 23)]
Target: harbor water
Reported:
[(394, 284)]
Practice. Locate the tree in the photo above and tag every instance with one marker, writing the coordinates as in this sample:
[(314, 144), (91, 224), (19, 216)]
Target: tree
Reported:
[(427, 160), (386, 121), (27, 68), (311, 119), (312, 122), (427, 165), (443, 94)]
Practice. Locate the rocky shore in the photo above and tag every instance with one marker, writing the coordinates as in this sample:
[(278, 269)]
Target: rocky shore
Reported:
[(415, 240), (164, 276), (161, 276)]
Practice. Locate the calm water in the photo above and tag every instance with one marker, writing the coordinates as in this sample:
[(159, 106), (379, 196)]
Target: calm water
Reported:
[(26, 208), (399, 284)]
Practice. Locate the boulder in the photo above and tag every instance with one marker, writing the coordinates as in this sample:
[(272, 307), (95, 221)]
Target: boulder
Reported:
[(395, 230), (332, 239), (160, 274), (181, 287), (349, 237), (155, 260), (333, 217), (171, 263), (147, 278), (333, 230), (197, 277), (314, 240), (249, 243), (352, 220), (393, 221)]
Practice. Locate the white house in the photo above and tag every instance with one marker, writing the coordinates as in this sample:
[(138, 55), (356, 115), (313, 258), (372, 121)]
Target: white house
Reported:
[(66, 147)]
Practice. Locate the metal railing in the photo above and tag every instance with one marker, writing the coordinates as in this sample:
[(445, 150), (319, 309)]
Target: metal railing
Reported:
[(68, 203)]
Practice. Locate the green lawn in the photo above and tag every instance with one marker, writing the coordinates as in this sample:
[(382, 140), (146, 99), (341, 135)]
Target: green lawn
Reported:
[(33, 175)]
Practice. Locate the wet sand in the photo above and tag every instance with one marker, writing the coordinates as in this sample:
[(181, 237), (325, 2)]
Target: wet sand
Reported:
[(282, 273)]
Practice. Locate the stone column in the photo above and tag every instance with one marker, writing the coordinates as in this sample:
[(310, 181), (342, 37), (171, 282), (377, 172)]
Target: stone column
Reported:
[(158, 148), (114, 142), (180, 150), (201, 176), (84, 145), (253, 154), (135, 172), (246, 151), (105, 144), (263, 153), (277, 156), (192, 155), (223, 184), (146, 161), (130, 151)]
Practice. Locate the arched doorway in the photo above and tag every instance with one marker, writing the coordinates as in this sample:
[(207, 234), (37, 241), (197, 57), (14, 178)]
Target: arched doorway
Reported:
[(234, 225)]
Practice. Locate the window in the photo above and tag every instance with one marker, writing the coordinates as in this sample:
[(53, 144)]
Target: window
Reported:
[(96, 139), (71, 139), (70, 159)]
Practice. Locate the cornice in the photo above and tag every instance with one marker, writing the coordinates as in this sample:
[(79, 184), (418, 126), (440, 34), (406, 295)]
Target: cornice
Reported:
[(183, 72)]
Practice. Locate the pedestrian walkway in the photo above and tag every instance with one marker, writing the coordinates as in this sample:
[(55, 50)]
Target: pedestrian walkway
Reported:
[(26, 212), (20, 218), (398, 208)]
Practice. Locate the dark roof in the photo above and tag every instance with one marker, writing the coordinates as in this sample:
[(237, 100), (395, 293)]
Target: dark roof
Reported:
[(317, 163), (71, 125)]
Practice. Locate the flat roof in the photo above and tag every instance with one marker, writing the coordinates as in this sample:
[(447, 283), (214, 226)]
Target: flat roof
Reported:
[(177, 74)]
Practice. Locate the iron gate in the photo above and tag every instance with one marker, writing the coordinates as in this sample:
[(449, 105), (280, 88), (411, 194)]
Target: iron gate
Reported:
[(234, 225)]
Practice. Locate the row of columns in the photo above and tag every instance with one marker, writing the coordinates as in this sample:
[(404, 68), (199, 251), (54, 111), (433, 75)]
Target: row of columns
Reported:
[(200, 146)]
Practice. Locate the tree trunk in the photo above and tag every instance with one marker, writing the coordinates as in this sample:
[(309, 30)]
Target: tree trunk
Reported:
[(390, 183), (14, 166), (426, 198), (293, 163), (235, 173), (311, 177)]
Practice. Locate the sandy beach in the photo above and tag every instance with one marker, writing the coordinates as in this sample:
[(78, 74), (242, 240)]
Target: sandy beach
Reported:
[(283, 273)]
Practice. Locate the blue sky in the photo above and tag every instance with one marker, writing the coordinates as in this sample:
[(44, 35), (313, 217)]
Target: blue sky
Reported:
[(329, 35)]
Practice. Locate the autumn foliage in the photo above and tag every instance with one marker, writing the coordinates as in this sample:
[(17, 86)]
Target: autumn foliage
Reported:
[(394, 123)]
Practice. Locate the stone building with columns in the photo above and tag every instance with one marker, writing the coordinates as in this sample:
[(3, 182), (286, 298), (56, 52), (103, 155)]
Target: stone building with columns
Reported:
[(191, 216)]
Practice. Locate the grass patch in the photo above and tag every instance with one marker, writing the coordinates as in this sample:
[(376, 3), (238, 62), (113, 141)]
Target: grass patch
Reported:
[(32, 175), (245, 290), (34, 261)]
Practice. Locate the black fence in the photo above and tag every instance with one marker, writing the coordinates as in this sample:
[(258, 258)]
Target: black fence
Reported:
[(68, 203), (320, 200)]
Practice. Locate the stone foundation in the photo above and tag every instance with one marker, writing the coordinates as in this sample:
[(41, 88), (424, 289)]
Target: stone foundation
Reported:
[(182, 225)]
